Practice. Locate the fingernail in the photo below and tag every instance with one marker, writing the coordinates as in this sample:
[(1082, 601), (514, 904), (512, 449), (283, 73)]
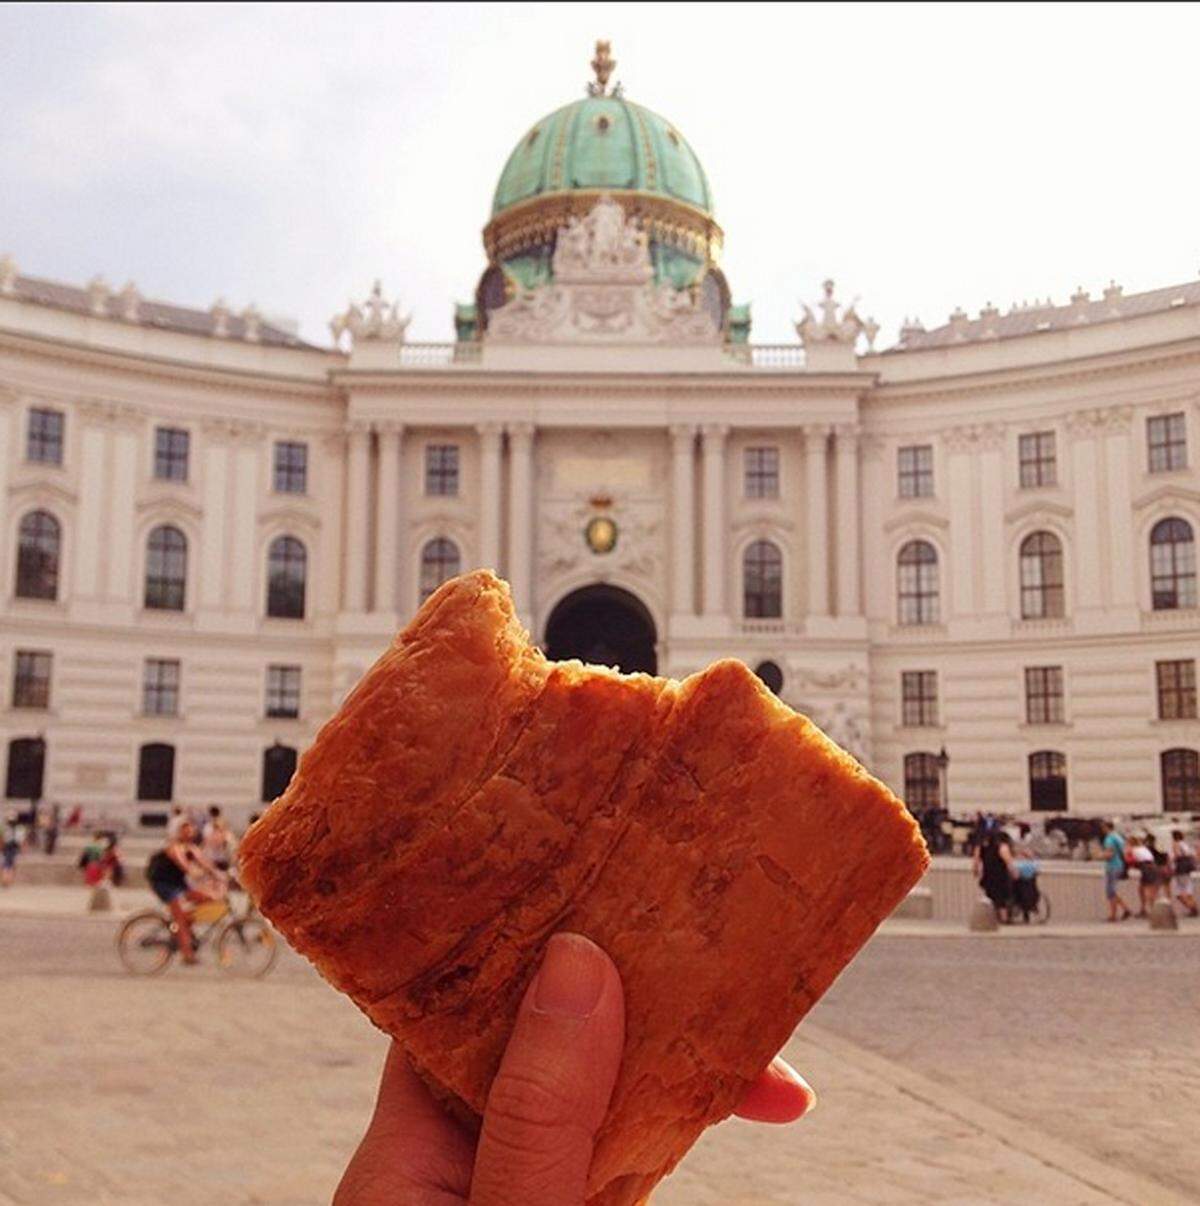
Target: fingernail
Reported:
[(571, 978)]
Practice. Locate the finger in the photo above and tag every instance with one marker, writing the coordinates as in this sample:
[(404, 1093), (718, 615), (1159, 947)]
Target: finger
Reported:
[(554, 1083), (412, 1145), (780, 1094)]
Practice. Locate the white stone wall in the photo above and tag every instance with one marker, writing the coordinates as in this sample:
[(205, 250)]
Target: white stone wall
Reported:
[(547, 439)]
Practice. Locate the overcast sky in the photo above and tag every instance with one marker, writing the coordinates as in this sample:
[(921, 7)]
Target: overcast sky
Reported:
[(924, 157)]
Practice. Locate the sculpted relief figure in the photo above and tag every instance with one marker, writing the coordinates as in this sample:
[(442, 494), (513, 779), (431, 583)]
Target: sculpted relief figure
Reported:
[(602, 291)]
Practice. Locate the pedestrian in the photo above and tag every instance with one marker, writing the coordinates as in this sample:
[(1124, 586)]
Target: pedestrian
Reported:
[(1115, 870), (1183, 867), (1141, 863), (217, 841), (994, 869), (175, 823), (14, 839), (52, 827)]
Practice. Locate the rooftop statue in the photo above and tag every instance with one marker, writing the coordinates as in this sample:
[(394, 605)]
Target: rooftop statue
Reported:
[(830, 328), (374, 319)]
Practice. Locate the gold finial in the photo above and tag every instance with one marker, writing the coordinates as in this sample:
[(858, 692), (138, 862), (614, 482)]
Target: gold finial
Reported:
[(602, 65)]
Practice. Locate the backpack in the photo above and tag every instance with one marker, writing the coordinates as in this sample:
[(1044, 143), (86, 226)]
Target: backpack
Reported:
[(159, 866), (1185, 864)]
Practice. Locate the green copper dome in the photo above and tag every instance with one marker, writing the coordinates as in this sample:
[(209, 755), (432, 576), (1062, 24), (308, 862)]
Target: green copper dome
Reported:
[(606, 143)]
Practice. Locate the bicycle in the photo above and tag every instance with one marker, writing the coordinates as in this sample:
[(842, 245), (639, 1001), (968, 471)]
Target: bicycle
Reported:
[(244, 942)]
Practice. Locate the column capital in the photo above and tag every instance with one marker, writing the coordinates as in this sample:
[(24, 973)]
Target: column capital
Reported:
[(684, 435), (356, 429), (490, 432), (388, 427), (521, 432), (714, 433), (815, 435), (847, 433)]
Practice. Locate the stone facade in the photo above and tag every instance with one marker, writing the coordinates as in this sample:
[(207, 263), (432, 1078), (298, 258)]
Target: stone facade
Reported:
[(605, 395)]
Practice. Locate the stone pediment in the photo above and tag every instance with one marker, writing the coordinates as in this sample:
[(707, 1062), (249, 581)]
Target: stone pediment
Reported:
[(603, 291)]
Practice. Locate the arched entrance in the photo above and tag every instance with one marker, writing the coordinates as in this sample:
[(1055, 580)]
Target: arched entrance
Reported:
[(604, 625)]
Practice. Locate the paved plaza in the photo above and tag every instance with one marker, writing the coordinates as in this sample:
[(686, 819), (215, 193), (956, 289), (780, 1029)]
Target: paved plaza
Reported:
[(950, 1069)]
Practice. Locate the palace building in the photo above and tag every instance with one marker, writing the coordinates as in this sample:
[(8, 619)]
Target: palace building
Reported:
[(971, 557)]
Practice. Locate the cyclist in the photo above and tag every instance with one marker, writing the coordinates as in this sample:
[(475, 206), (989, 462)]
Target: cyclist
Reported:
[(179, 872)]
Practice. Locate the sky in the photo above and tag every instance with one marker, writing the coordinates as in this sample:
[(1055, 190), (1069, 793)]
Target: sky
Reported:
[(924, 157)]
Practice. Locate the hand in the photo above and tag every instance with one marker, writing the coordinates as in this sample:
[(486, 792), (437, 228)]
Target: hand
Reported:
[(545, 1105)]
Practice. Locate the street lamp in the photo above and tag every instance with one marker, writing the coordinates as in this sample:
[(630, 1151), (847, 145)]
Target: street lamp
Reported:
[(943, 762)]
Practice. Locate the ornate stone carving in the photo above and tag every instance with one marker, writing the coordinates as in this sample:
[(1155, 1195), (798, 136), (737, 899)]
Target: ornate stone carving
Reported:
[(111, 414), (1099, 420), (374, 319), (602, 292), (8, 276), (563, 549), (830, 328), (98, 295), (986, 437), (220, 316), (233, 431), (131, 302), (252, 328)]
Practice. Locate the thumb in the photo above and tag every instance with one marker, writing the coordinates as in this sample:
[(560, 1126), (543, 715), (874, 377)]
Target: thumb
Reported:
[(554, 1083)]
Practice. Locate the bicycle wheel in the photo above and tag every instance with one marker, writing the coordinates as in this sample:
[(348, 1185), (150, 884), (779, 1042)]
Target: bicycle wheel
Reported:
[(247, 947), (1043, 909), (146, 943)]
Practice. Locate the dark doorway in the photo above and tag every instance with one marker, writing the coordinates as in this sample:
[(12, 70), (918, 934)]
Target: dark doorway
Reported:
[(279, 765), (156, 771), (26, 768), (603, 625)]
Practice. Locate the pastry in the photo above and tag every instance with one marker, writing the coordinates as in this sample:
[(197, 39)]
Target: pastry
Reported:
[(471, 798)]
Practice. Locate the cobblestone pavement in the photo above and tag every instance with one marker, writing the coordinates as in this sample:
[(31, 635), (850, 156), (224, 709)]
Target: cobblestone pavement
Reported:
[(950, 1071)]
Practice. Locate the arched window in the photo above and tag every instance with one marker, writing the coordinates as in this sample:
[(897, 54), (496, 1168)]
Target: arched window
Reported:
[(1172, 565), (917, 583), (38, 545), (1048, 781), (1041, 577), (440, 560), (26, 768), (1180, 780), (166, 569), (156, 771), (287, 572), (922, 782), (762, 581), (278, 767), (771, 676)]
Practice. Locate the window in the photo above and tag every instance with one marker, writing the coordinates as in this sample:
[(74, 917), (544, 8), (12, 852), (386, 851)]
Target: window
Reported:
[(1048, 781), (279, 765), (287, 571), (1166, 436), (156, 771), (26, 768), (916, 471), (166, 569), (31, 680), (1039, 465), (1176, 690), (762, 473), (45, 443), (160, 687), (1180, 780), (171, 454), (283, 692), (1041, 577), (38, 543), (922, 782), (917, 583), (1172, 565), (1044, 695), (441, 469), (291, 467), (770, 675), (918, 695), (762, 581), (440, 561)]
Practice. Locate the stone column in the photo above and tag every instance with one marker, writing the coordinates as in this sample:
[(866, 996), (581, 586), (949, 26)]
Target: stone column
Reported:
[(958, 595), (846, 446), (490, 439), (715, 569), (816, 494), (683, 519), (213, 557), (244, 570), (1118, 487), (93, 442), (120, 525), (991, 518), (520, 516), (1085, 427), (358, 502), (387, 517)]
